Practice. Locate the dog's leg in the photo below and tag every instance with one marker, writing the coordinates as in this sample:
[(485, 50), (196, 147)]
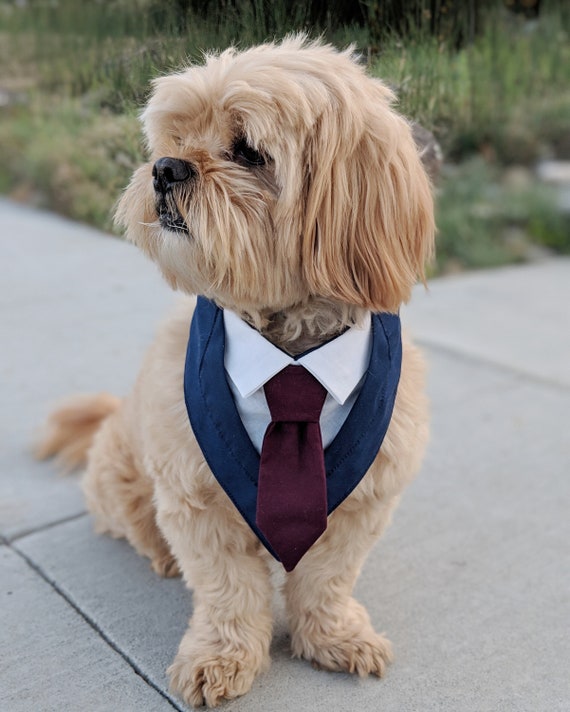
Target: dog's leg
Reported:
[(227, 642), (120, 495), (328, 626)]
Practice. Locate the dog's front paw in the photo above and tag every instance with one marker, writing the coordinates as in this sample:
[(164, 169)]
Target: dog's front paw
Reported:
[(210, 676), (345, 642), (364, 655)]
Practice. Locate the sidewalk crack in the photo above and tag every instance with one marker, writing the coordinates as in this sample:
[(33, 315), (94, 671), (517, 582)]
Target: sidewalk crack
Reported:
[(507, 369), (44, 527), (132, 664)]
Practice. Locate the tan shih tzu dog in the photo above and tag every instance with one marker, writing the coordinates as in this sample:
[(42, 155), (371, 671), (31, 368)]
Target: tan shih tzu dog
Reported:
[(285, 191)]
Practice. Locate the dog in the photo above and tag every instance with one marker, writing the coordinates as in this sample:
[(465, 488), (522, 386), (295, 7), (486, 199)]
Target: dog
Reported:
[(285, 191)]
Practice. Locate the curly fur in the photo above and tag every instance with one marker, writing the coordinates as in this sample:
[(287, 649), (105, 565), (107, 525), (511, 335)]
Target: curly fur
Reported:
[(338, 220)]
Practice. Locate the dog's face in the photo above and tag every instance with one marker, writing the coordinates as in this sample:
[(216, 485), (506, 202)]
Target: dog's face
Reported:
[(280, 174)]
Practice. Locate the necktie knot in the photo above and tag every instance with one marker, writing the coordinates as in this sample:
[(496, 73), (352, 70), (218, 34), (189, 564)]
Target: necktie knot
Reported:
[(294, 395)]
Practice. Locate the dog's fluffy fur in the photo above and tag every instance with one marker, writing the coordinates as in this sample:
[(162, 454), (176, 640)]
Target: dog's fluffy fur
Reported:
[(336, 218)]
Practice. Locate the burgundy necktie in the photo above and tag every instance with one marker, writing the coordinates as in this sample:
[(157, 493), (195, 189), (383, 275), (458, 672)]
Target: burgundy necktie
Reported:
[(292, 494)]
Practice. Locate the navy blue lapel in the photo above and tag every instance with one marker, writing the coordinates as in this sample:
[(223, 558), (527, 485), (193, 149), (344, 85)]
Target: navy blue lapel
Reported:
[(225, 443), (355, 447)]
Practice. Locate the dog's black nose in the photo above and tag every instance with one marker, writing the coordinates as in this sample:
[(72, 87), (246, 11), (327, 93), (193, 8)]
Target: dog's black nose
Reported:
[(166, 172)]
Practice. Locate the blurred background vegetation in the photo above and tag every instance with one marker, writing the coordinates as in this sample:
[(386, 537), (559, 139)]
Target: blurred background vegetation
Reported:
[(489, 78)]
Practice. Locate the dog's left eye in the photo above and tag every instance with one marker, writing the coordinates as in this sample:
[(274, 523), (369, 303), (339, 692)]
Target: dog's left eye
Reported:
[(243, 153)]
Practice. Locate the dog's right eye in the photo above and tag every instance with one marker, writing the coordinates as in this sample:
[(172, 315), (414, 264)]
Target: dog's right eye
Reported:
[(243, 153)]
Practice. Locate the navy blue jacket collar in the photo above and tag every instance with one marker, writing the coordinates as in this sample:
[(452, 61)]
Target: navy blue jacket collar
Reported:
[(223, 439)]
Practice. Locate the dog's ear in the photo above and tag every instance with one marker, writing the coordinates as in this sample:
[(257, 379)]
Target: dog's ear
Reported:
[(369, 225)]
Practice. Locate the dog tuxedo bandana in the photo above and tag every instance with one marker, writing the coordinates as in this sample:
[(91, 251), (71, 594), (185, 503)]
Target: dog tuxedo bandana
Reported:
[(234, 460)]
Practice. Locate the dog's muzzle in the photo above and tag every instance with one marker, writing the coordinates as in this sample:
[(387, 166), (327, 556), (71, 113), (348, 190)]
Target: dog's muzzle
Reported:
[(169, 174)]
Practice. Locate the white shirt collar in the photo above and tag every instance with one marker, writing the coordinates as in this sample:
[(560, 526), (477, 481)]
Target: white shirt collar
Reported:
[(339, 365)]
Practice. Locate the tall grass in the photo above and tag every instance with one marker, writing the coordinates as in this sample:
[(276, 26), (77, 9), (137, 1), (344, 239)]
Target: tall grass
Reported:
[(495, 92), (77, 72), (506, 88), (115, 48)]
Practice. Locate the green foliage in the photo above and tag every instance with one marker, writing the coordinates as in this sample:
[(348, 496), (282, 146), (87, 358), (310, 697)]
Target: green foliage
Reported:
[(484, 220), (494, 93), (76, 73), (69, 159)]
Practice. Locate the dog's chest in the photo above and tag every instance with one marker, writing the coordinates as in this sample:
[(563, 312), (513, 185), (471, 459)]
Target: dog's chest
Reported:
[(225, 443)]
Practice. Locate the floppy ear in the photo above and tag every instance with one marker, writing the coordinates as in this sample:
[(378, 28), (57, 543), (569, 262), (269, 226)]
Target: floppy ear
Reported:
[(369, 225)]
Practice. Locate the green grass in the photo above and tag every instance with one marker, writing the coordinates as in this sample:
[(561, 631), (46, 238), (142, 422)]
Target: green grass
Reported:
[(486, 219), (508, 91), (69, 159), (78, 73)]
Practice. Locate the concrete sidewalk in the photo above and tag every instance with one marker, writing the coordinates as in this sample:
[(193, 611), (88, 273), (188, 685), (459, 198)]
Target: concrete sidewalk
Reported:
[(471, 583)]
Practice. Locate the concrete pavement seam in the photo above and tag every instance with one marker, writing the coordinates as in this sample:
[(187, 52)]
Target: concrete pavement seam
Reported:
[(44, 527), (490, 363), (53, 584)]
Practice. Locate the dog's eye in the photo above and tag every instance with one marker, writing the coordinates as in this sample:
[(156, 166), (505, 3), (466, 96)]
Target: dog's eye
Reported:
[(245, 154)]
